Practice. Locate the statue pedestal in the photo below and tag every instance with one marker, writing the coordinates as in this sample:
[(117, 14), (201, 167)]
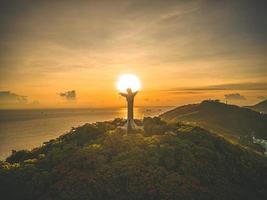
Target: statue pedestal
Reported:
[(130, 127)]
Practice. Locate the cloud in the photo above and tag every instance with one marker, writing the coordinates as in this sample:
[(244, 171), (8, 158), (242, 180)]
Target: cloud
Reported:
[(7, 97), (35, 103), (69, 95), (261, 97), (146, 99), (184, 92), (228, 86), (172, 39), (234, 96)]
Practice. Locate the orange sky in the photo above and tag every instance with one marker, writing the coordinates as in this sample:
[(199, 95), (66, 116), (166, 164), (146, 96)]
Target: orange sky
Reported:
[(182, 51)]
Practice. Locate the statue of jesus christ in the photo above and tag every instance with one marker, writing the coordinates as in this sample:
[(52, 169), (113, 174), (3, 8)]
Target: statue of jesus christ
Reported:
[(130, 100)]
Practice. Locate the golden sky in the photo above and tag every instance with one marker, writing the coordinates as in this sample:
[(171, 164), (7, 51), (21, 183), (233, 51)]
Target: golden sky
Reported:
[(182, 51)]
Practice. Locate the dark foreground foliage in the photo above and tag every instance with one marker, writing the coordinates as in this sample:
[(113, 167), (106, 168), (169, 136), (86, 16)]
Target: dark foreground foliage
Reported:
[(165, 161)]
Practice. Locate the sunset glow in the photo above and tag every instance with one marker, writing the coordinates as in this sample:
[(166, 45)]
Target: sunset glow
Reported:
[(62, 55), (128, 81)]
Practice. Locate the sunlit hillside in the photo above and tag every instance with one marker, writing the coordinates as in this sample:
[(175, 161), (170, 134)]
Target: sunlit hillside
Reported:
[(236, 123)]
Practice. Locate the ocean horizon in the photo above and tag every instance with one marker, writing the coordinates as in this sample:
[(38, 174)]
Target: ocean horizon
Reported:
[(30, 128)]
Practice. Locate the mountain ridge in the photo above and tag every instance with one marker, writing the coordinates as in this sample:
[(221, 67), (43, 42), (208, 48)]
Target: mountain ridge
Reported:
[(259, 107), (237, 124), (232, 119)]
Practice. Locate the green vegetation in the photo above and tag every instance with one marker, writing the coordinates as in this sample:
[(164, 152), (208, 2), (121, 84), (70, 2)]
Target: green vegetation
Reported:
[(235, 123), (165, 161)]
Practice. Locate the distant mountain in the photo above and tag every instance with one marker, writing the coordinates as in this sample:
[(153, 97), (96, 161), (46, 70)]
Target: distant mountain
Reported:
[(230, 120), (260, 107)]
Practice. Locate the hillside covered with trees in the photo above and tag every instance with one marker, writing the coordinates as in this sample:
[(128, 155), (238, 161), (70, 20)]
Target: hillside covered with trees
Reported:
[(259, 107), (163, 161), (235, 123)]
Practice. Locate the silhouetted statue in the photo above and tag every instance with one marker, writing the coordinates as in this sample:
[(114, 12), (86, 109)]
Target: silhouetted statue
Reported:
[(130, 100)]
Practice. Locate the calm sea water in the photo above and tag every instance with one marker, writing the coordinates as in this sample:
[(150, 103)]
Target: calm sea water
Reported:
[(26, 129)]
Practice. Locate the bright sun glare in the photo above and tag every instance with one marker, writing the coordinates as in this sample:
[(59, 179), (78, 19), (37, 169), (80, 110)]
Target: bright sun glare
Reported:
[(128, 81)]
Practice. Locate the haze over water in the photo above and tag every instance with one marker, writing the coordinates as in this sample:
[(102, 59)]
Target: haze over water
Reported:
[(26, 129)]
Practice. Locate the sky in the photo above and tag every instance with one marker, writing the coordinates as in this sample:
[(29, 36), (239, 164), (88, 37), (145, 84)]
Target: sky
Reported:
[(57, 54)]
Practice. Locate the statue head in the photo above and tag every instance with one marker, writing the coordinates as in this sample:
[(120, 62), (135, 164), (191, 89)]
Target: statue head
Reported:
[(129, 91)]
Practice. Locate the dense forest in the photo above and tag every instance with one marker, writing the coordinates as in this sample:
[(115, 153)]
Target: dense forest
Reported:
[(162, 161)]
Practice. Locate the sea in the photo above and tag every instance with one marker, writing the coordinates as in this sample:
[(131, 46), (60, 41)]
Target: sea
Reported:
[(27, 129)]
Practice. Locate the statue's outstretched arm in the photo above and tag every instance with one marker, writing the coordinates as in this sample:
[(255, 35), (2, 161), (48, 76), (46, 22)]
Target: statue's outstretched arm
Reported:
[(135, 93), (123, 94)]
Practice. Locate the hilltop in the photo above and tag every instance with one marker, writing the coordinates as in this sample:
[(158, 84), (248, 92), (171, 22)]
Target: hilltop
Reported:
[(228, 120), (260, 107), (163, 161)]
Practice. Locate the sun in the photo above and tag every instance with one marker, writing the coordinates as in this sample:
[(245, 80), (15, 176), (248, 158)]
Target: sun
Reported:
[(128, 81)]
